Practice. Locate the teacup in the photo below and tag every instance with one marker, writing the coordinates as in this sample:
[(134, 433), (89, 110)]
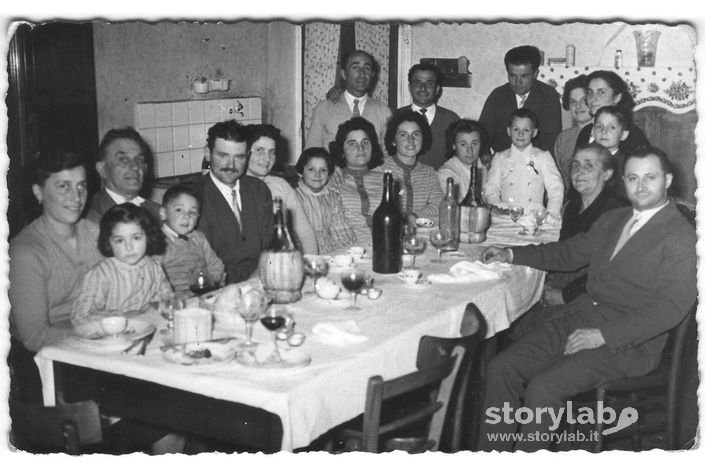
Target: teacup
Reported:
[(410, 276), (342, 261), (113, 325), (357, 252)]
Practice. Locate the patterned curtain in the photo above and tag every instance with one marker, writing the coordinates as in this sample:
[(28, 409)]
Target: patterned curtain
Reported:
[(321, 43)]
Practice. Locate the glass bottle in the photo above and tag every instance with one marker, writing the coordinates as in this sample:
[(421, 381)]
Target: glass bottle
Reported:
[(570, 55), (281, 265), (449, 214), (618, 58), (387, 231), (473, 198)]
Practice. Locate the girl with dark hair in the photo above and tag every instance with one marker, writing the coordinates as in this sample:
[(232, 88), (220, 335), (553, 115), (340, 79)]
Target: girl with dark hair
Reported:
[(323, 206), (129, 278), (357, 178), (606, 88), (409, 135)]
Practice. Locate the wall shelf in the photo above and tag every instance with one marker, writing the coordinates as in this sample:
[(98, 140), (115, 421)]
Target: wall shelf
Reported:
[(670, 88)]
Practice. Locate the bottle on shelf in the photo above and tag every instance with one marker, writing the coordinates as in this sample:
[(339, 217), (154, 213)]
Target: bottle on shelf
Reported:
[(387, 231), (570, 55), (618, 58), (449, 214), (281, 265)]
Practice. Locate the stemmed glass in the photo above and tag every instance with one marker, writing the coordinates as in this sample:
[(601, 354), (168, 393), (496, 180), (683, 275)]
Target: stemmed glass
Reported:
[(440, 239), (353, 279), (515, 212), (316, 266), (540, 215), (413, 244), (168, 302), (252, 304), (272, 319)]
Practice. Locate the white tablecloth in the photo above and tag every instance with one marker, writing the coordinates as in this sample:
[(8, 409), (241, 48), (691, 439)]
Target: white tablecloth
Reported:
[(331, 390)]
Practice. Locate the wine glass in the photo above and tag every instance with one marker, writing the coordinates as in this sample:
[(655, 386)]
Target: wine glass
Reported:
[(540, 215), (316, 266), (414, 245), (168, 302), (201, 284), (353, 279), (515, 212), (272, 319), (440, 239), (253, 302)]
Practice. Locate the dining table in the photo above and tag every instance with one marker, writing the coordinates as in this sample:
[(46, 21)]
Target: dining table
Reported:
[(287, 408)]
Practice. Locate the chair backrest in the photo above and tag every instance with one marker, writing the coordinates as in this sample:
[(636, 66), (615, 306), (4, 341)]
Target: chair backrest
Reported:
[(444, 364), (66, 428), (455, 388)]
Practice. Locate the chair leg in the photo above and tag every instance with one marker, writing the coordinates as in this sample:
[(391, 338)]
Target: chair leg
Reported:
[(636, 437), (599, 426)]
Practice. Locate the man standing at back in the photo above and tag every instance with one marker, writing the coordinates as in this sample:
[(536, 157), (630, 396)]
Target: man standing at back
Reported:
[(236, 209), (359, 73), (522, 90), (425, 88), (122, 162)]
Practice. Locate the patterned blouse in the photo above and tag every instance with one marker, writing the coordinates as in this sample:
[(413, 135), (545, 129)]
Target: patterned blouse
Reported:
[(325, 212), (419, 189)]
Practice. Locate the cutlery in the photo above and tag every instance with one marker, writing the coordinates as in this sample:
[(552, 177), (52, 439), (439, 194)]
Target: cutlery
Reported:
[(145, 342), (217, 341), (133, 345)]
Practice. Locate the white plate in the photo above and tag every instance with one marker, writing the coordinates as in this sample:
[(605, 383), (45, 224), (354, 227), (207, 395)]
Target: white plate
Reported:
[(423, 222), (179, 354), (91, 333), (290, 359)]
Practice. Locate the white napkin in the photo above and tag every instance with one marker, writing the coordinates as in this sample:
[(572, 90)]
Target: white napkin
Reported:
[(468, 271), (340, 333)]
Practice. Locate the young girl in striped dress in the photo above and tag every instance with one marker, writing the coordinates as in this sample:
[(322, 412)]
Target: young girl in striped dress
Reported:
[(323, 206), (129, 278)]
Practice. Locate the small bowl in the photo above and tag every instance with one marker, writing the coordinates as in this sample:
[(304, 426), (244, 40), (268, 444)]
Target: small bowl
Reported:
[(374, 293), (296, 339), (113, 325)]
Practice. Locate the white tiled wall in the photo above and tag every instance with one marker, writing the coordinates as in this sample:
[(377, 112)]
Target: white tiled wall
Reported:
[(177, 130)]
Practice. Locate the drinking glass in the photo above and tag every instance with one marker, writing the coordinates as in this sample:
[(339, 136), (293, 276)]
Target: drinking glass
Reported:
[(353, 279), (168, 302), (540, 215), (272, 319), (252, 305), (440, 239), (414, 245), (515, 212), (316, 266)]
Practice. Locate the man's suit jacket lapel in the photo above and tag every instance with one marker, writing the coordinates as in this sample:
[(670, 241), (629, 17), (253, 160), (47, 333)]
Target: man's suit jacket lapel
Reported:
[(222, 209)]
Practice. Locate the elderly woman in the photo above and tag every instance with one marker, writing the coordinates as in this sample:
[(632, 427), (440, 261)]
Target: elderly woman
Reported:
[(575, 101), (606, 88), (357, 178), (590, 171), (264, 139), (408, 135)]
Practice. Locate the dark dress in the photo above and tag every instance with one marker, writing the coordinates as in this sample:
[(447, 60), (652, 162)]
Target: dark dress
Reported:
[(572, 284)]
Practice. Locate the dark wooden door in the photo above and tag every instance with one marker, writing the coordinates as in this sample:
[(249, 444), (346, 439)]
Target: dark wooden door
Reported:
[(51, 104)]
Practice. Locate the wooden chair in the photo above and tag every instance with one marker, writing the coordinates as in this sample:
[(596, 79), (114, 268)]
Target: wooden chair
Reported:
[(64, 428), (425, 397), (655, 392)]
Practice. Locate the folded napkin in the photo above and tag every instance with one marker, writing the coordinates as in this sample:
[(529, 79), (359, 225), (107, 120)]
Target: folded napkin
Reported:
[(468, 271), (340, 333)]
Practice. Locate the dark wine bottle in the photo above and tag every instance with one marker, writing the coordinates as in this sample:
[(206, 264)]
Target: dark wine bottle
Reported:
[(387, 225), (473, 198), (449, 214), (281, 240)]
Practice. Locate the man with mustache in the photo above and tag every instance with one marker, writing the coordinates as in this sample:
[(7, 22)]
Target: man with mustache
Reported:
[(122, 161), (236, 209), (359, 74)]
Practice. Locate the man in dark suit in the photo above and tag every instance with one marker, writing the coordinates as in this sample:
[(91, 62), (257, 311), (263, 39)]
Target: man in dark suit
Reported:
[(122, 161), (641, 283), (425, 82), (236, 209), (522, 90)]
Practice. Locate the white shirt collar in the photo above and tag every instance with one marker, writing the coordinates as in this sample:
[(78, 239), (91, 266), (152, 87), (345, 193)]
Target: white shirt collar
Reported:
[(430, 111), (360, 101), (645, 216), (519, 98), (120, 199), (227, 191)]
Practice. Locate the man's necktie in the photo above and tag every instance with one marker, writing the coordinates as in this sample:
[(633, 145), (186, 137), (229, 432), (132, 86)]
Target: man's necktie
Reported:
[(522, 102), (423, 111), (236, 208), (356, 108), (627, 233)]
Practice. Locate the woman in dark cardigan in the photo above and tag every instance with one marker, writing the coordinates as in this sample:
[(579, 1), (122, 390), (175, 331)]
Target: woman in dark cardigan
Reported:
[(606, 88), (592, 168)]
